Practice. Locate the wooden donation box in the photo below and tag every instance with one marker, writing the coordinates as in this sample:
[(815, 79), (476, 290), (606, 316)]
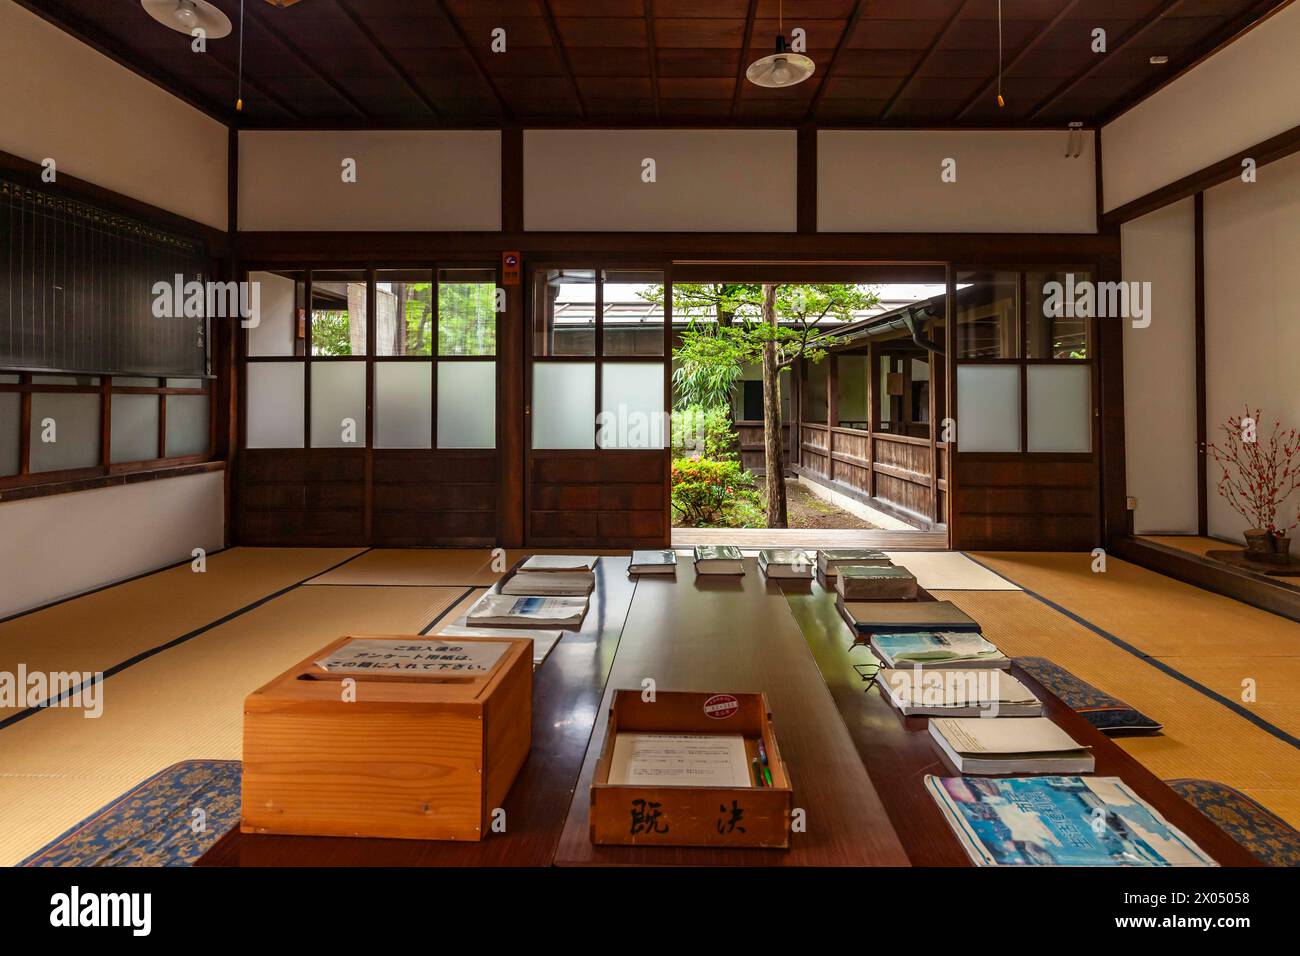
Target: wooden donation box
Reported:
[(389, 736), (690, 769)]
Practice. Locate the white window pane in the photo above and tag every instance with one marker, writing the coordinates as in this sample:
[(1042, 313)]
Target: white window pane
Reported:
[(10, 412), (72, 420), (65, 379), (564, 405), (632, 405), (1060, 408), (187, 425), (135, 382), (184, 383), (275, 408), (338, 405), (403, 404), (989, 413), (273, 329), (467, 404), (135, 428)]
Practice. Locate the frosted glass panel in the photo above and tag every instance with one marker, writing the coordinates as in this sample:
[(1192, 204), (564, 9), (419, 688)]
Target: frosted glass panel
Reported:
[(184, 382), (1060, 408), (10, 407), (75, 429), (403, 405), (564, 405), (989, 415), (135, 428), (187, 425), (338, 405), (275, 407), (273, 329), (632, 406), (467, 405)]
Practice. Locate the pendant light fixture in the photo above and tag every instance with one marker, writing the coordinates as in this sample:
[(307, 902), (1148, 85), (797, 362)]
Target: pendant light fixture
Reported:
[(781, 68), (186, 16)]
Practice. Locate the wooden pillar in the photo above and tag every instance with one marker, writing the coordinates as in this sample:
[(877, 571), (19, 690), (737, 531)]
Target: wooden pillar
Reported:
[(512, 456), (832, 410), (932, 413), (873, 413)]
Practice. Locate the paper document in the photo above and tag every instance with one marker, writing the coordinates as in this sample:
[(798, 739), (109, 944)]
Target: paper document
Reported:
[(680, 760)]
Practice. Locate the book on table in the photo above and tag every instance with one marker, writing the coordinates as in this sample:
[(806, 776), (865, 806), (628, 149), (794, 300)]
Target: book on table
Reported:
[(1059, 821), (507, 610), (718, 559), (550, 583), (937, 649), (955, 692), (830, 559), (653, 562), (868, 617), (859, 582), (1009, 745), (560, 563), (785, 563)]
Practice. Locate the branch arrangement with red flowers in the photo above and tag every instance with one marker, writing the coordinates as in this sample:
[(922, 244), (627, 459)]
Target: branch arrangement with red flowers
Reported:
[(1258, 475)]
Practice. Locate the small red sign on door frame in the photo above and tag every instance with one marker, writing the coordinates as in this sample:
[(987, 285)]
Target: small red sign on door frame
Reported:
[(510, 268)]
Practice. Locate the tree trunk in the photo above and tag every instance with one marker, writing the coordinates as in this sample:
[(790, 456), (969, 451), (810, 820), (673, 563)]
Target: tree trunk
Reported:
[(773, 443)]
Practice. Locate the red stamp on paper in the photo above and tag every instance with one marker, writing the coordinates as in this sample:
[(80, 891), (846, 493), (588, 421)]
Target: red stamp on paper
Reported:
[(721, 706)]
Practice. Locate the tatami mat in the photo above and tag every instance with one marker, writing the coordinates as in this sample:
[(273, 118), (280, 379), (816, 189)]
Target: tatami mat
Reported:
[(950, 571), (1197, 730), (96, 631), (57, 767), (422, 567)]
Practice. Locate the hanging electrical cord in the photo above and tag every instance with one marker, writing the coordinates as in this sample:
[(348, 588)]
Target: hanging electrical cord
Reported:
[(239, 78), (1001, 101)]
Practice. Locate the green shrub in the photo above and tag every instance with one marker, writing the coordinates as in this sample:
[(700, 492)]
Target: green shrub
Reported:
[(699, 432), (714, 494)]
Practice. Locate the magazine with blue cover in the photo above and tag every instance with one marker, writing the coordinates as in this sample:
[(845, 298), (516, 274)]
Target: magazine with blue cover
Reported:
[(1059, 821)]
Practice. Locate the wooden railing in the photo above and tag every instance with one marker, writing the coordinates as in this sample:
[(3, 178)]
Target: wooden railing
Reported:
[(905, 474)]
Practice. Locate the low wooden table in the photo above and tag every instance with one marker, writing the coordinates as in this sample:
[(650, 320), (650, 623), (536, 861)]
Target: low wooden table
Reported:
[(856, 764)]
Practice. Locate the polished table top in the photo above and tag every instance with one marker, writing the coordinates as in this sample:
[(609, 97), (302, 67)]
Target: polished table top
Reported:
[(856, 764)]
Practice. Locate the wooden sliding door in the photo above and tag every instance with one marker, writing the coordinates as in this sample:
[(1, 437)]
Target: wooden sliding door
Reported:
[(597, 397)]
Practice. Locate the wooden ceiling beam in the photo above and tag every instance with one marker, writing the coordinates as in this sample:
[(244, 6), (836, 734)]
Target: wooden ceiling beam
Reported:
[(654, 54), (1137, 31), (563, 54), (929, 51), (479, 68), (750, 15), (849, 27), (257, 17), (388, 58), (1024, 51)]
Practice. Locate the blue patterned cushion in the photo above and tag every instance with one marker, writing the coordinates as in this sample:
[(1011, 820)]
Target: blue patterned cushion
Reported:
[(1108, 714), (1269, 839), (154, 823)]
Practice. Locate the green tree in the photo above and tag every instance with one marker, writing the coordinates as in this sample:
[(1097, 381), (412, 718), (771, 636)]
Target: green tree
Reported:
[(775, 324)]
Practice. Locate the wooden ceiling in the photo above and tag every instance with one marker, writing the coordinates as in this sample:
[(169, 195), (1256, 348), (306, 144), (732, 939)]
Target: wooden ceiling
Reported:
[(887, 63)]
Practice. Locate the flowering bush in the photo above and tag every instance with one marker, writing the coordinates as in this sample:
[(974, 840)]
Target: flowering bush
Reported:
[(713, 494), (1258, 476)]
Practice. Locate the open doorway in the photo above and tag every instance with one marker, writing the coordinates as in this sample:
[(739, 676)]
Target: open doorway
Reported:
[(835, 374)]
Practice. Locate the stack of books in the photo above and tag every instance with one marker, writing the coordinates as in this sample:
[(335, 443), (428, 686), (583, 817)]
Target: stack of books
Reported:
[(949, 692), (653, 562), (548, 590), (785, 563), (857, 582), (718, 559), (550, 583), (937, 649), (1016, 745), (829, 560), (870, 617)]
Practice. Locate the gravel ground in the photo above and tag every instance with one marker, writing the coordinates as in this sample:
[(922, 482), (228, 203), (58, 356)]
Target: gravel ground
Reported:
[(806, 510)]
